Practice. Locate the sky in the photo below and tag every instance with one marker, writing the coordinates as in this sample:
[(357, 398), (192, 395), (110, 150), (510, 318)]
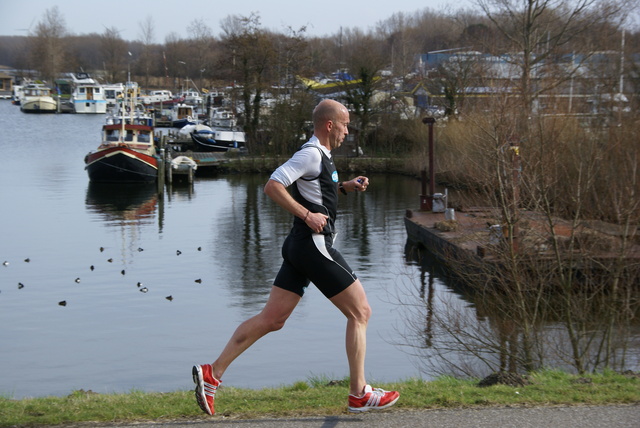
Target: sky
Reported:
[(17, 17)]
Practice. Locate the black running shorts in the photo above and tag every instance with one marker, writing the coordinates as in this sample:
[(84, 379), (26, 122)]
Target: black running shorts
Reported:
[(312, 258)]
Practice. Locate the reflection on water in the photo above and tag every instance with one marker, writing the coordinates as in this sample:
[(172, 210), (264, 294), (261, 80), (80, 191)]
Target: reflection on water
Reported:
[(133, 203), (485, 329)]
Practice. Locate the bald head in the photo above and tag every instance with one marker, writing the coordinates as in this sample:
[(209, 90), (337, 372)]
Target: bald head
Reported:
[(330, 123), (327, 110)]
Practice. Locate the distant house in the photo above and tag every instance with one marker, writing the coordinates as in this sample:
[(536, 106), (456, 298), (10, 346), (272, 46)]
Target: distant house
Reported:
[(420, 95), (415, 99), (6, 86)]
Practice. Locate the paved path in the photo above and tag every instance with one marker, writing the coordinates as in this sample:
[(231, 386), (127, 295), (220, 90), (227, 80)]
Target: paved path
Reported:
[(494, 417)]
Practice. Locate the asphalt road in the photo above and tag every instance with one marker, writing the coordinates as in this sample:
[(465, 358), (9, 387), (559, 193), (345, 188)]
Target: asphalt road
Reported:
[(494, 417)]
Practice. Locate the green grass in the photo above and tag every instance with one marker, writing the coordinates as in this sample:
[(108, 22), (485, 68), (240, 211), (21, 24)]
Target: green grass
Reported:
[(316, 398)]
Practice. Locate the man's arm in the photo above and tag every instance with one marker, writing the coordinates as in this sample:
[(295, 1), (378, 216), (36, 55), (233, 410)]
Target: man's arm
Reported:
[(276, 191)]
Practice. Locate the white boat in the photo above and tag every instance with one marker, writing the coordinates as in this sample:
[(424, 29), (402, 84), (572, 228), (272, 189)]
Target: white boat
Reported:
[(185, 132), (132, 91), (36, 98), (223, 134), (112, 93), (183, 164), (88, 95), (222, 118), (157, 96), (182, 115), (219, 141), (191, 97), (17, 94)]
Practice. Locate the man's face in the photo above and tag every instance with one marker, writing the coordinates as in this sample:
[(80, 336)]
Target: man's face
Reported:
[(339, 130)]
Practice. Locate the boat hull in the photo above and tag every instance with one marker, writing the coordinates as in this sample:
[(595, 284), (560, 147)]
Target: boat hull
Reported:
[(121, 164), (39, 106), (181, 123), (163, 103), (207, 142), (90, 106)]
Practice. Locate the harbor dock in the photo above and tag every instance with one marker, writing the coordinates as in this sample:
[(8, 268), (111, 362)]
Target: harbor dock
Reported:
[(476, 237), (171, 149), (462, 238)]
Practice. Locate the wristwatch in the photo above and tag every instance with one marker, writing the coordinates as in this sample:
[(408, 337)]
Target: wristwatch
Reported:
[(341, 188)]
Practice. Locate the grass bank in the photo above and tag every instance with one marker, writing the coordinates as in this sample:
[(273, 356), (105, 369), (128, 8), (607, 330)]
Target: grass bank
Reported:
[(319, 398)]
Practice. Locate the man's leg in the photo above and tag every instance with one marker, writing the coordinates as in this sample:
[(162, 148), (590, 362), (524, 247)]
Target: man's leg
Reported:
[(277, 310), (273, 316), (353, 303)]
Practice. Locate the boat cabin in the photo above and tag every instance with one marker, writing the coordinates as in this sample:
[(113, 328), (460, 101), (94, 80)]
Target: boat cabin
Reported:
[(6, 86)]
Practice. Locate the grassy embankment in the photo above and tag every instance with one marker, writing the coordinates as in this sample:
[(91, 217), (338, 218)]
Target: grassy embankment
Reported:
[(317, 398)]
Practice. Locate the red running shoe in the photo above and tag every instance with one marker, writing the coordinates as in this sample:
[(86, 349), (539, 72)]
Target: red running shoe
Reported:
[(206, 387), (373, 399)]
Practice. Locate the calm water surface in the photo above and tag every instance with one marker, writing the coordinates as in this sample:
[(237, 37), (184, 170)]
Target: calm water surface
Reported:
[(110, 336)]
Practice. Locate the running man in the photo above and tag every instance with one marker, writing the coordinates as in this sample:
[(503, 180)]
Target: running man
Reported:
[(309, 256)]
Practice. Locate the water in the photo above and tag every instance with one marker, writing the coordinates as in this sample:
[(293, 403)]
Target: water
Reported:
[(110, 336)]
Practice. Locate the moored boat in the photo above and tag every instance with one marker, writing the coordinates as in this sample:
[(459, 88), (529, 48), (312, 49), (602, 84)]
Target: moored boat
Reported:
[(112, 94), (17, 94), (215, 140), (88, 95), (36, 98), (182, 115), (161, 98), (183, 164), (157, 96), (192, 97), (223, 135), (222, 118), (127, 152)]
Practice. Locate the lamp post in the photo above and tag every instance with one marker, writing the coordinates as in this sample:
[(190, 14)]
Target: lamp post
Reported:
[(513, 230), (426, 200), (185, 73)]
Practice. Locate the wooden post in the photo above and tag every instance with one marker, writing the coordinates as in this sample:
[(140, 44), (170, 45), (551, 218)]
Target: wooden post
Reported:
[(160, 181), (169, 170)]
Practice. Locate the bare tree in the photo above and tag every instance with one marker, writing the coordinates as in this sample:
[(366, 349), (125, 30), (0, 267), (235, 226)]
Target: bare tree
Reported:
[(400, 46), (253, 54), (147, 57), (174, 58), (287, 121), (47, 44), (435, 31), (364, 61), (201, 53), (454, 77), (116, 58)]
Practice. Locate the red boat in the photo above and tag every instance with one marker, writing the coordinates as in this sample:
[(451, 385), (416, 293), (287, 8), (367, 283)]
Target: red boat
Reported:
[(127, 152)]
